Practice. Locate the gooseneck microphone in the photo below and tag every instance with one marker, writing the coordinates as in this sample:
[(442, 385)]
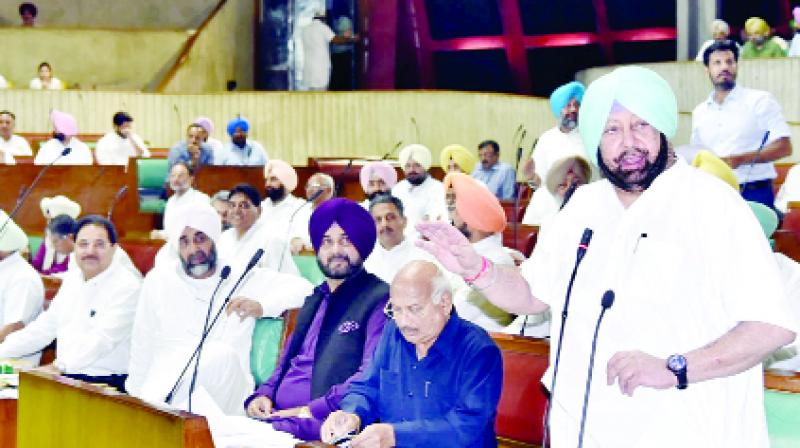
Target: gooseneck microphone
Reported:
[(586, 238), (28, 190), (117, 197), (606, 302), (391, 151), (313, 197), (226, 271), (250, 265)]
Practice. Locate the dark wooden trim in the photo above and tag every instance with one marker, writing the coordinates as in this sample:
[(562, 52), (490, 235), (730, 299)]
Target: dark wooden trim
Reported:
[(782, 380)]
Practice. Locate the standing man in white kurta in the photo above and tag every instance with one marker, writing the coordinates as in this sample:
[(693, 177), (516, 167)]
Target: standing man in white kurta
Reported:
[(248, 233), (734, 122), (421, 194), (394, 250), (317, 38), (21, 288), (684, 288), (10, 144), (91, 316), (119, 145), (174, 303)]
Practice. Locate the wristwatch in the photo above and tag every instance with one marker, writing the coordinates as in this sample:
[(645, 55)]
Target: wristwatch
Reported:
[(677, 365)]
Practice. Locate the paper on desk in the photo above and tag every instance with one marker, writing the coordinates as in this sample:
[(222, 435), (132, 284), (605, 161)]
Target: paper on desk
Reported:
[(230, 431)]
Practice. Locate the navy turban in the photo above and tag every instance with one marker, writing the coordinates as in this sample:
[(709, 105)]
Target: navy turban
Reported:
[(351, 217), (240, 123)]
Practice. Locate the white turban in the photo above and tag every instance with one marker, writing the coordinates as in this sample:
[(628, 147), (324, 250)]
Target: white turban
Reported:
[(59, 205), (12, 238), (417, 153), (196, 215)]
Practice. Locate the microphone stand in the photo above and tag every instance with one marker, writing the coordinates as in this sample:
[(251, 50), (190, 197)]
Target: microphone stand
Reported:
[(117, 197), (516, 189), (291, 220)]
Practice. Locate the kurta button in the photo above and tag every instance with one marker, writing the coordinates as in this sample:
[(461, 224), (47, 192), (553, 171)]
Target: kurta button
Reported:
[(411, 394)]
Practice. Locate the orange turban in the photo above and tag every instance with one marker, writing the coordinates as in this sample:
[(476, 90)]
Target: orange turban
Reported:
[(477, 206), (284, 172)]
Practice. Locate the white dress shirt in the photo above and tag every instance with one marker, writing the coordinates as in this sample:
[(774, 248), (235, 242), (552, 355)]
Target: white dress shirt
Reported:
[(387, 263), (738, 125), (238, 251), (253, 154), (80, 154), (21, 293), (115, 150), (92, 321), (14, 146), (169, 325), (790, 190), (423, 202), (279, 221)]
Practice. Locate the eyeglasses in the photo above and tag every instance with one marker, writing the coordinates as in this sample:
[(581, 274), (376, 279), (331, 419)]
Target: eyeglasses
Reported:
[(415, 311)]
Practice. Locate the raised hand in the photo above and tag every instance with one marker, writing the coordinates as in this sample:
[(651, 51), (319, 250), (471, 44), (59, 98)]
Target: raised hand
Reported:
[(450, 247)]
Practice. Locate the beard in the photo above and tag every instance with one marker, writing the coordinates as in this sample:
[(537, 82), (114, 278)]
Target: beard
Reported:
[(569, 121), (463, 229), (276, 194), (640, 179), (240, 142), (417, 179), (339, 273), (199, 264)]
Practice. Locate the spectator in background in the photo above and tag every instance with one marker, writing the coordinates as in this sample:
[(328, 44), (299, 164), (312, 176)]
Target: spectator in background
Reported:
[(60, 238), (222, 205), (498, 176), (794, 48), (193, 151), (116, 147), (376, 178), (242, 151), (319, 188), (790, 190), (316, 39), (456, 158), (719, 31), (28, 13), (11, 145), (759, 44), (65, 130), (422, 195), (217, 147), (181, 181), (45, 79)]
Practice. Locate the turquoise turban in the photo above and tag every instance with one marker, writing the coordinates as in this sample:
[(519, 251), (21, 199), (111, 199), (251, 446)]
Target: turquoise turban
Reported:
[(640, 90), (240, 123), (564, 94)]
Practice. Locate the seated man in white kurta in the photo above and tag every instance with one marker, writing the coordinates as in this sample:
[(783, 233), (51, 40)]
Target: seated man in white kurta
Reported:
[(248, 233), (422, 195), (21, 288), (181, 180), (65, 130), (119, 145), (175, 303), (91, 316), (11, 144), (698, 305), (394, 250)]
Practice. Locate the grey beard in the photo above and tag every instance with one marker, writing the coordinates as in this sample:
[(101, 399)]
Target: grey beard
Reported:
[(568, 123)]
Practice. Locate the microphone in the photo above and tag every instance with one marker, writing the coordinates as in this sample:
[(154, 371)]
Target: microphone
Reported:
[(250, 265), (605, 302), (226, 271), (758, 154), (416, 128), (397, 145), (568, 194), (291, 220), (28, 190), (583, 246), (117, 197), (516, 189)]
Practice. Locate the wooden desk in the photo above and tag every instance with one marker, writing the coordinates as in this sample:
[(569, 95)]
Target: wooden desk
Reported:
[(64, 413), (8, 423)]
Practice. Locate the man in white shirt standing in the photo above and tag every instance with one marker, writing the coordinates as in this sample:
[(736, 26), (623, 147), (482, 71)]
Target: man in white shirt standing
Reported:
[(421, 194), (11, 145), (64, 136), (242, 151), (745, 127), (177, 299), (91, 316), (281, 210), (116, 147), (393, 250), (316, 39), (562, 140), (21, 288)]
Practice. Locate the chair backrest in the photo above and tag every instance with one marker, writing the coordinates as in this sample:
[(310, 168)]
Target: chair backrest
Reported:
[(309, 269), (151, 173), (266, 348)]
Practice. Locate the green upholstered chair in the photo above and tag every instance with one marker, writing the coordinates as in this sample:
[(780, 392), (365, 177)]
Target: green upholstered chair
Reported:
[(33, 244), (783, 418), (309, 269), (266, 347), (150, 175)]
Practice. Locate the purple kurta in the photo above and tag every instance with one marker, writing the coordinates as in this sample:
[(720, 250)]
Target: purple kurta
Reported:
[(38, 261), (295, 388)]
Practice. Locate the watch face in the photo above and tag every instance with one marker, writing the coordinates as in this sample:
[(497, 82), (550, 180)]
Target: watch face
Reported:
[(676, 363)]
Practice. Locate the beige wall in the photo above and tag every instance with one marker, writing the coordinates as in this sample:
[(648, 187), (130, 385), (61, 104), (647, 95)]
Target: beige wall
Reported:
[(95, 59), (223, 51), (781, 77), (133, 14), (296, 125)]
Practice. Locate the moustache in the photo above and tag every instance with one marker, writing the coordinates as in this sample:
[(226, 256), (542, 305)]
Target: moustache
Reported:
[(89, 257)]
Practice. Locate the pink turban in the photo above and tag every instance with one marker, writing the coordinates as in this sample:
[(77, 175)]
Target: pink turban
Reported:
[(284, 172), (475, 204), (382, 169), (206, 124), (64, 123)]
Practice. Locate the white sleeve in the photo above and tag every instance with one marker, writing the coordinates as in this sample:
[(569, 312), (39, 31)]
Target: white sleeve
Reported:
[(770, 117), (695, 137), (24, 299), (35, 336), (42, 157), (138, 140), (109, 328), (103, 151), (278, 257), (275, 291), (329, 34), (142, 340)]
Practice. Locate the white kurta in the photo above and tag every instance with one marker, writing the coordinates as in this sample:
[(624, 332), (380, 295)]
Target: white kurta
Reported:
[(316, 39), (80, 154), (788, 357), (55, 84), (169, 325), (387, 263), (790, 190), (115, 150), (14, 146), (238, 251), (423, 202), (92, 321), (21, 293), (680, 283), (277, 218)]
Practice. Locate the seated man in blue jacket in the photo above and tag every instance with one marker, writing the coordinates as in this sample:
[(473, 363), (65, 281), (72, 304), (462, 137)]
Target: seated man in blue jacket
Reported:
[(435, 378)]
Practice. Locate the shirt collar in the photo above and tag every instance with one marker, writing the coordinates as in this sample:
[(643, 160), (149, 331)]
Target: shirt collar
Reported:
[(101, 276), (732, 96)]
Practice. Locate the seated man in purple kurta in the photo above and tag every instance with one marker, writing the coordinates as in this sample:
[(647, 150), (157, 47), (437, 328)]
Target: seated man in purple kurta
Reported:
[(337, 328)]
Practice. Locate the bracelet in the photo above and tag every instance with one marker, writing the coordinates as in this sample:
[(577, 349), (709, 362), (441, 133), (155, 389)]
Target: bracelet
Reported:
[(484, 267), (491, 282)]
